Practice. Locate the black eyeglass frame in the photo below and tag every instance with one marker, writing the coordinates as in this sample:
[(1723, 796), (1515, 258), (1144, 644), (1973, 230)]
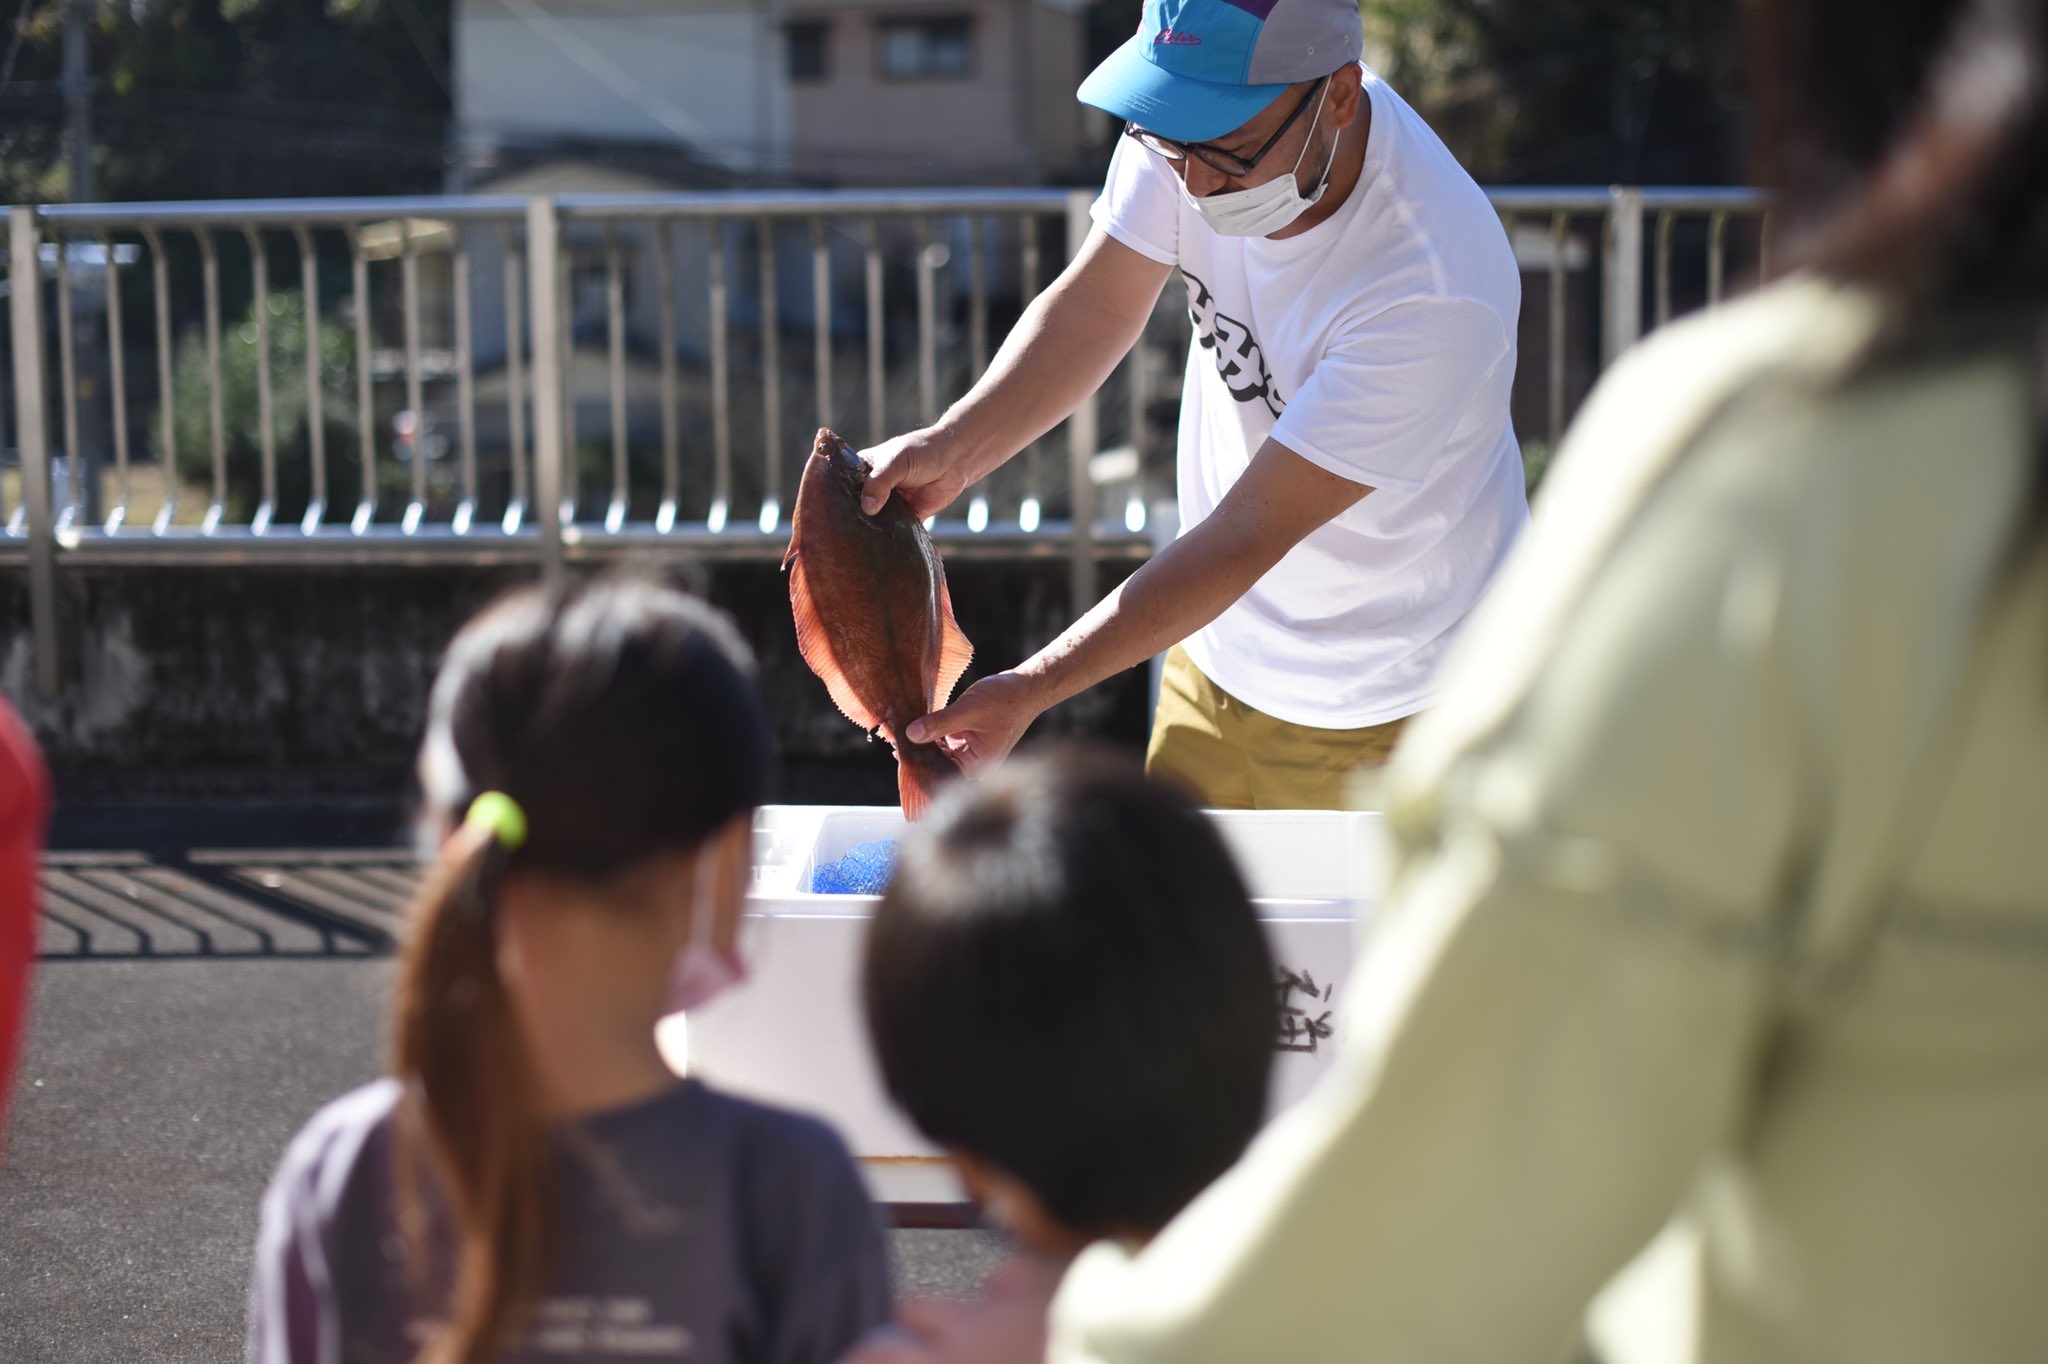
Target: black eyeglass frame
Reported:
[(1215, 158)]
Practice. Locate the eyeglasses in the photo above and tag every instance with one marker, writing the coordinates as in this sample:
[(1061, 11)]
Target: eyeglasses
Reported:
[(1229, 163)]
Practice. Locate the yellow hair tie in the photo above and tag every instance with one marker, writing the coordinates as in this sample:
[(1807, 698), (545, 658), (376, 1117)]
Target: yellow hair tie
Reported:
[(500, 816)]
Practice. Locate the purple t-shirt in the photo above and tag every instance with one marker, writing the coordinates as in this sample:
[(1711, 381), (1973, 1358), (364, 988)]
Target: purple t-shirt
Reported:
[(692, 1226)]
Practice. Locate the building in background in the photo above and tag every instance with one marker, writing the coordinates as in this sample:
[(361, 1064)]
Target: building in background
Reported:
[(818, 92), (935, 93)]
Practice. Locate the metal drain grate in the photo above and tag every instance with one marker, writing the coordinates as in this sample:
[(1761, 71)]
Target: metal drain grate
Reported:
[(227, 903)]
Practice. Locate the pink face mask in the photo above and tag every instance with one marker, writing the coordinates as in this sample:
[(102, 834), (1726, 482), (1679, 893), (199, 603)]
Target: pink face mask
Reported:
[(703, 970)]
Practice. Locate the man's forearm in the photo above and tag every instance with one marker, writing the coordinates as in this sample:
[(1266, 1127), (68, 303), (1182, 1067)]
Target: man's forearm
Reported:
[(1181, 589), (1279, 499), (1062, 349)]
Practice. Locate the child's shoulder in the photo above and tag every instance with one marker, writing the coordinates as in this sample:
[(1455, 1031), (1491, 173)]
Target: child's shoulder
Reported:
[(363, 1107), (340, 1128), (329, 1150), (783, 1173), (770, 1135), (803, 1214)]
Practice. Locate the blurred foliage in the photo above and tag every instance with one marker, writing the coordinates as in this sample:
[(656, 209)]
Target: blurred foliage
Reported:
[(1536, 453), (202, 99), (1572, 91), (242, 425)]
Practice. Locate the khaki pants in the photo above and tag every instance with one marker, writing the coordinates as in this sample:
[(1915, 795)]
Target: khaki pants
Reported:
[(1237, 758)]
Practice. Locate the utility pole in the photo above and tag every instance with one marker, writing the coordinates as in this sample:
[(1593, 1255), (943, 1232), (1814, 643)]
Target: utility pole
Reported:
[(82, 463), (77, 101)]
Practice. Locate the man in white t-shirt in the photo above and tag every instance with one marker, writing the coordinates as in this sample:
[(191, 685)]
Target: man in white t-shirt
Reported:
[(1348, 474)]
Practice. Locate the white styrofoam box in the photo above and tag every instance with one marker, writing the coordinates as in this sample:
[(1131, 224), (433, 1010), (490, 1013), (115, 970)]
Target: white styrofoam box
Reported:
[(794, 1034)]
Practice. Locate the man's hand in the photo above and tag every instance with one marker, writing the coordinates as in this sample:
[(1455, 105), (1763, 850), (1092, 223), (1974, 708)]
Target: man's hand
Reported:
[(925, 468), (1278, 500), (980, 728), (1006, 1325), (1061, 350)]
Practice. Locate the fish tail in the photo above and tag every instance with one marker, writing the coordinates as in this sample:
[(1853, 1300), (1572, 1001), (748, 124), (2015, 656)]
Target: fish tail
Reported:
[(921, 769)]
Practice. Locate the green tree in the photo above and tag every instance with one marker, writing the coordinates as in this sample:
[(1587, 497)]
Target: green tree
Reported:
[(241, 411), (1572, 91), (234, 98)]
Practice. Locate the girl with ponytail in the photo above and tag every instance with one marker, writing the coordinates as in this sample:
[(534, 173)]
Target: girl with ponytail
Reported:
[(532, 1183)]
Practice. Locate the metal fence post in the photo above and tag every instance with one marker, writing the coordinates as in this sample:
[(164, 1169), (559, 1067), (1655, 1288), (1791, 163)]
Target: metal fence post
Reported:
[(1082, 438), (543, 262), (32, 440), (1621, 277)]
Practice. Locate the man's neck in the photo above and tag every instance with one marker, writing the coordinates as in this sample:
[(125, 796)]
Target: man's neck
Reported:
[(1347, 168)]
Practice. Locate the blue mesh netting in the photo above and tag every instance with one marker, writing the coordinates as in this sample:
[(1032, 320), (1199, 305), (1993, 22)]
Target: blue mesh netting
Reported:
[(864, 870)]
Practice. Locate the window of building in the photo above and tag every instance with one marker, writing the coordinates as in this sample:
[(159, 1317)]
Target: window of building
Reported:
[(808, 49), (936, 47)]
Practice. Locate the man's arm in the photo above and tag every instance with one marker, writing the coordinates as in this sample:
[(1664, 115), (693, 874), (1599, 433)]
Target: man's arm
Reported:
[(1280, 498), (1060, 351)]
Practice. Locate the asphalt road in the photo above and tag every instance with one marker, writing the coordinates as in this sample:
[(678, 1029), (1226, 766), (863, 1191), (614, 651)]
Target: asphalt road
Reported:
[(153, 1101)]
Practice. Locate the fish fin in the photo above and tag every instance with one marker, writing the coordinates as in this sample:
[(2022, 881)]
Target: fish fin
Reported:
[(913, 791), (816, 647), (918, 782), (955, 653)]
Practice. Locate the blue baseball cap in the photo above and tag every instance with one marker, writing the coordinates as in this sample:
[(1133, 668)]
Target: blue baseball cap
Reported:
[(1197, 69)]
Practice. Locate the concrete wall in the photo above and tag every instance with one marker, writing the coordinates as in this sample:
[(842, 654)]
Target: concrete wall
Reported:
[(306, 684)]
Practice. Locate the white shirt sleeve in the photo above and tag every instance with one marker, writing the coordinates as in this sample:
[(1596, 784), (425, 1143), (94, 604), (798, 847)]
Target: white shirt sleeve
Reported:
[(1382, 403), (1140, 203)]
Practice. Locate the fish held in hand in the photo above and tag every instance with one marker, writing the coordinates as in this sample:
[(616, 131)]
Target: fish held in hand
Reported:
[(873, 618)]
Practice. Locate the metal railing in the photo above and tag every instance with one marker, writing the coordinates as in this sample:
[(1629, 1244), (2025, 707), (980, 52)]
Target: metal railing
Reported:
[(1624, 213), (565, 378)]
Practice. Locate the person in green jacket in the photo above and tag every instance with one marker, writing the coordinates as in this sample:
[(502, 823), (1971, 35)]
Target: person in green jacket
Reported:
[(1707, 1012)]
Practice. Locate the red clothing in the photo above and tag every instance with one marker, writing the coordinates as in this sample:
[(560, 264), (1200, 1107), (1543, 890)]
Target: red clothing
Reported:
[(24, 814)]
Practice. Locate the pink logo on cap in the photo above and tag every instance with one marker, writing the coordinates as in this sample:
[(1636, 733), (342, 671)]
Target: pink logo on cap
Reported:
[(1176, 37)]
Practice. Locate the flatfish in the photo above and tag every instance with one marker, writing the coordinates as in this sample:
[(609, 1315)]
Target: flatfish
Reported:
[(873, 618)]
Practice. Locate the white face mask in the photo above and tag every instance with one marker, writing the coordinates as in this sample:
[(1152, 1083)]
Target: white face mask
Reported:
[(1265, 209), (703, 970)]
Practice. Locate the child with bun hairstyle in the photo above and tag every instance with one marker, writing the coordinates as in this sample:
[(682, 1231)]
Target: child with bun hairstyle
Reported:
[(532, 1183)]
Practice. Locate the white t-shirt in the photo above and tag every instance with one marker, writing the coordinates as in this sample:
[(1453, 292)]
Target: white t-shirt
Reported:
[(1379, 345)]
